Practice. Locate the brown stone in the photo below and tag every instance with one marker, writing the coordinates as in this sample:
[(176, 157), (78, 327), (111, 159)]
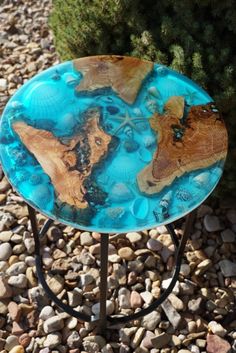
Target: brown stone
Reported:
[(17, 328), (126, 253), (216, 344), (14, 311), (5, 289), (25, 339)]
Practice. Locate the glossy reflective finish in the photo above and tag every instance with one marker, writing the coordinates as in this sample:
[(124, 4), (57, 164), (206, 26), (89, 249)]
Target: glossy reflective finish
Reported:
[(112, 144)]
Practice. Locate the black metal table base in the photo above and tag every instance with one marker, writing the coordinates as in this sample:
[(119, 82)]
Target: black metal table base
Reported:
[(102, 319)]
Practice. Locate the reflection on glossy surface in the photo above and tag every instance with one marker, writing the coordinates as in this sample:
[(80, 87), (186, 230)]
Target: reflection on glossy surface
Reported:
[(112, 143)]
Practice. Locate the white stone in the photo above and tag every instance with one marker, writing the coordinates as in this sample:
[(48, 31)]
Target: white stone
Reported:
[(134, 237), (166, 282), (52, 340), (46, 313), (217, 328), (5, 251), (86, 239), (19, 281), (3, 84), (147, 297)]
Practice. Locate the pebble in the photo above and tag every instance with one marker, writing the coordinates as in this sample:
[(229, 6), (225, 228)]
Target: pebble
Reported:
[(134, 237), (185, 270), (14, 311), (194, 305), (5, 289), (5, 251), (216, 344), (17, 349), (3, 84), (109, 306), (126, 253), (74, 339), (154, 244), (217, 328), (86, 239), (11, 342), (19, 281), (52, 340), (161, 340), (16, 269), (24, 339), (211, 223), (231, 215), (172, 315), (53, 324), (176, 302), (46, 313), (166, 282), (5, 236), (228, 236), (55, 282), (150, 321), (137, 337), (147, 297), (124, 298), (136, 300), (101, 342), (228, 268)]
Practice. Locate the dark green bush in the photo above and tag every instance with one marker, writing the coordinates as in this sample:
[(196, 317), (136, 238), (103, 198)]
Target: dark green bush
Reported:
[(194, 37)]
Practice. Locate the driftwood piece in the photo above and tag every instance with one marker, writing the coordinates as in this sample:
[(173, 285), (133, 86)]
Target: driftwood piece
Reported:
[(184, 144), (68, 165), (124, 75)]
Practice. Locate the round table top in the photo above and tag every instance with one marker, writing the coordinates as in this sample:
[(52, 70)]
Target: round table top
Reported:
[(112, 144)]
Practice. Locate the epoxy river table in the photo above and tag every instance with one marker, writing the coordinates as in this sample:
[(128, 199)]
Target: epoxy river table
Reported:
[(112, 144)]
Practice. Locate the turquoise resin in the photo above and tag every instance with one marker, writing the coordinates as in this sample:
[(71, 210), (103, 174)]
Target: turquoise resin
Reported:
[(49, 101)]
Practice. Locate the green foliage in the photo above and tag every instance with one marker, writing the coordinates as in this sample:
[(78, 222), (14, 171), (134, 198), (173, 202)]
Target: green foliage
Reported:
[(194, 37)]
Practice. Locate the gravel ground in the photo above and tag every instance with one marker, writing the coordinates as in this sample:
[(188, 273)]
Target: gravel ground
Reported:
[(199, 316)]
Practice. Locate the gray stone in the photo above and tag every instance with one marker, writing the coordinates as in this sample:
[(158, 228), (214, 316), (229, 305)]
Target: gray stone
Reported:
[(228, 236), (150, 321), (6, 220), (124, 298), (228, 268), (11, 341), (154, 244), (54, 323), (96, 339), (5, 251), (212, 223), (161, 340), (16, 269), (172, 315), (74, 340), (109, 306), (231, 215), (86, 258)]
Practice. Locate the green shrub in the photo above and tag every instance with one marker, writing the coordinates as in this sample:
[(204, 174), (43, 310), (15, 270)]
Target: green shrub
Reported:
[(194, 37)]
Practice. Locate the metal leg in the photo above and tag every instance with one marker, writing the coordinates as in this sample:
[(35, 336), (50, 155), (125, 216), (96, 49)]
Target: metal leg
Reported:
[(40, 274), (103, 283)]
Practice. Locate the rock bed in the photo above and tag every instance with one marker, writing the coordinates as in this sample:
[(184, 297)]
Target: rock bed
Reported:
[(199, 316)]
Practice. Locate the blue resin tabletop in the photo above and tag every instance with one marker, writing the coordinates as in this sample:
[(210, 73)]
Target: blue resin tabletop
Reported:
[(112, 144)]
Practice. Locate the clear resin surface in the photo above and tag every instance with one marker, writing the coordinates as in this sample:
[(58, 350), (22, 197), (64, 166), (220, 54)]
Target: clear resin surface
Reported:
[(112, 143)]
